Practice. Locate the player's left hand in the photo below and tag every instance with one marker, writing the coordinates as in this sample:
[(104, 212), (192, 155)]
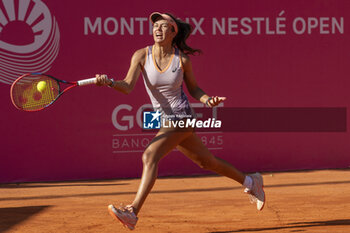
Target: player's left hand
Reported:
[(215, 100)]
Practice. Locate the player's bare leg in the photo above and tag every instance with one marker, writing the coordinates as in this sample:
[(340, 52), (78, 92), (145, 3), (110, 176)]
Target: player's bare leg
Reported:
[(194, 149), (164, 142)]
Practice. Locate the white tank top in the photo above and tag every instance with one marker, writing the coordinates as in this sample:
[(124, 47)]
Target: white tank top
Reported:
[(164, 87)]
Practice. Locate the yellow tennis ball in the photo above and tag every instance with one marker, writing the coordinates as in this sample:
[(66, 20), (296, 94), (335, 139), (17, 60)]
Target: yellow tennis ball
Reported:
[(41, 86)]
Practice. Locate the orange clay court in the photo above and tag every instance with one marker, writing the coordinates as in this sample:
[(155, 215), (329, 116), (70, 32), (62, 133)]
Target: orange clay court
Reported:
[(307, 201)]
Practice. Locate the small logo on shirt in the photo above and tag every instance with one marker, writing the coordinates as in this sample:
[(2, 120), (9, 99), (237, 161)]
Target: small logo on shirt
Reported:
[(151, 120), (174, 70)]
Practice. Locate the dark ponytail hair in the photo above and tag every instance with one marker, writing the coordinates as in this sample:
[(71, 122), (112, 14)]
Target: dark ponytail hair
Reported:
[(184, 31)]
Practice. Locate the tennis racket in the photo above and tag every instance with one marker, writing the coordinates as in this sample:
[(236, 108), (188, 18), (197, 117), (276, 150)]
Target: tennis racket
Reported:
[(36, 91)]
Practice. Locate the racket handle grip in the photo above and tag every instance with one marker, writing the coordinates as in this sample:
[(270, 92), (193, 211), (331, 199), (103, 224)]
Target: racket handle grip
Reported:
[(86, 81)]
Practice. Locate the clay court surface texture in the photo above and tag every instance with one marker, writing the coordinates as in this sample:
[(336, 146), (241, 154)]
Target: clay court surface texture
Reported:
[(307, 201)]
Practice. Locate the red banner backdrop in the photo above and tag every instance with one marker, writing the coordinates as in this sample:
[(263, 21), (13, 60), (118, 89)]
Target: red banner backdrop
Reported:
[(261, 55)]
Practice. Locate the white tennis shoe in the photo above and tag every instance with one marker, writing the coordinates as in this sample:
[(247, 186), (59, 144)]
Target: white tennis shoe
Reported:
[(125, 215), (256, 193)]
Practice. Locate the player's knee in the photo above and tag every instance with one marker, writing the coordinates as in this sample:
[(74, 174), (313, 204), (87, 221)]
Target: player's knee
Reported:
[(149, 158)]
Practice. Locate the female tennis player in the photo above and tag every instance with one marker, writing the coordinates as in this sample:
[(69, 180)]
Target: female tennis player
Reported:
[(165, 66)]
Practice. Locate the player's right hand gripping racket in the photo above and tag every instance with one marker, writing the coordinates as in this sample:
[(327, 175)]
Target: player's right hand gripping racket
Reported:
[(36, 91)]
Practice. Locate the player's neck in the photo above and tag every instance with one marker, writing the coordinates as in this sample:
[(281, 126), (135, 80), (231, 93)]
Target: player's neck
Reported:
[(163, 50)]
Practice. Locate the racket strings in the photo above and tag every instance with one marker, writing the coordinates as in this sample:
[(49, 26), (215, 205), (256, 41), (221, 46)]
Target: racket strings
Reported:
[(28, 94)]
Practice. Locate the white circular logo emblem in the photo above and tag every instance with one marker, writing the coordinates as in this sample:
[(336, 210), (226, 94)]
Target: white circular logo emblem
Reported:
[(29, 38)]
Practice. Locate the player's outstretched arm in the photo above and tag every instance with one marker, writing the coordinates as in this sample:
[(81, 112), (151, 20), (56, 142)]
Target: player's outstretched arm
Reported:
[(128, 83)]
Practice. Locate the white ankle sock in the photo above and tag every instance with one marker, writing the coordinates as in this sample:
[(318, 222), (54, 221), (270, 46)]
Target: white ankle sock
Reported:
[(248, 182)]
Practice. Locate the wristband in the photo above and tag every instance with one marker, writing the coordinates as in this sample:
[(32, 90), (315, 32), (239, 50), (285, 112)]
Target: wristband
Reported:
[(207, 102), (112, 84)]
